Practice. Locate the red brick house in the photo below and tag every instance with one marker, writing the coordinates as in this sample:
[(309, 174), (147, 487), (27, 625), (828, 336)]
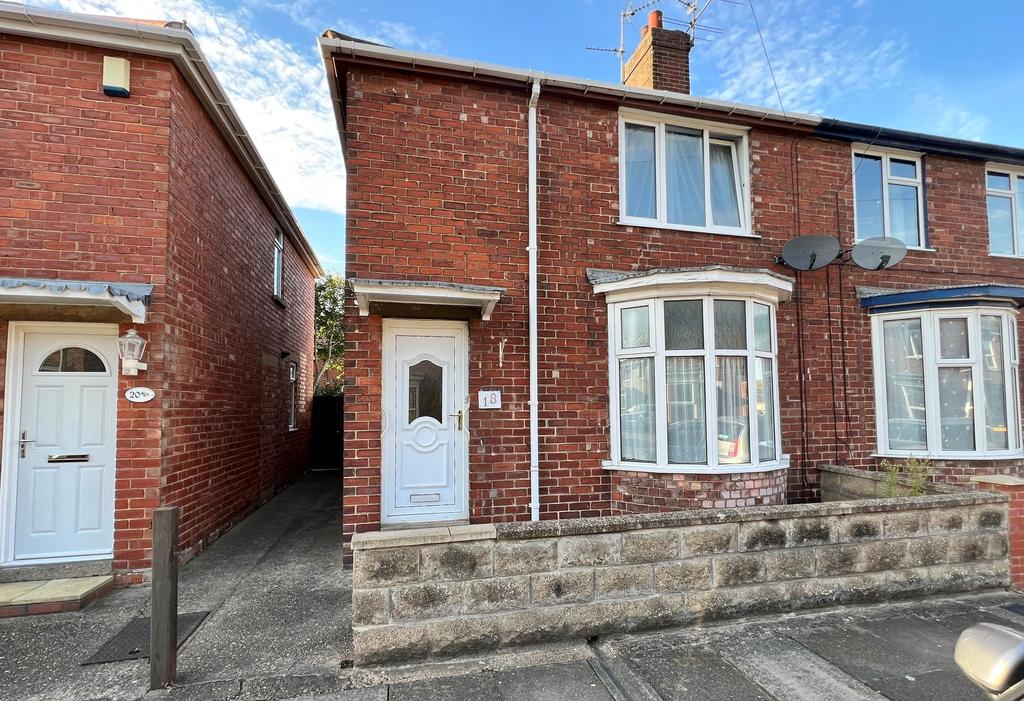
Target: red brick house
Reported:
[(147, 209), (567, 299)]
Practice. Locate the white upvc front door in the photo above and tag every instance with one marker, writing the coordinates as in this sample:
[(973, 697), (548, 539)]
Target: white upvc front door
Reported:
[(425, 439), (59, 464)]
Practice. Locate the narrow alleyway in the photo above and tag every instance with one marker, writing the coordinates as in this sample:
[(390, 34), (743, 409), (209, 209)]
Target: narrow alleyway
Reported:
[(279, 603)]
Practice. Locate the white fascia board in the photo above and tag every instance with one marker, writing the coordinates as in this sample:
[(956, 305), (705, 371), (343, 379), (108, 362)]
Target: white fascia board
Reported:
[(135, 310), (424, 294), (701, 282), (180, 47), (416, 59)]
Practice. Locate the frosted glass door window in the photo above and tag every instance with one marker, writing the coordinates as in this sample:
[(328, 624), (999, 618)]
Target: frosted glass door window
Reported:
[(636, 327), (730, 325), (684, 325)]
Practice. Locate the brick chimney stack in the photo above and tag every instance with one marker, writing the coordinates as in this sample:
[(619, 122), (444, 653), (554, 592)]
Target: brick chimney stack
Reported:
[(662, 60)]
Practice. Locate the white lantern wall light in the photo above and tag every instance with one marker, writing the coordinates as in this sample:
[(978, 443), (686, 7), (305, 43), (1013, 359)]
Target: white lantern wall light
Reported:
[(130, 348)]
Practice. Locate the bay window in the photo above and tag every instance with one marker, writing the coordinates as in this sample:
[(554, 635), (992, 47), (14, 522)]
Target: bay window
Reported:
[(947, 382), (677, 173), (694, 378)]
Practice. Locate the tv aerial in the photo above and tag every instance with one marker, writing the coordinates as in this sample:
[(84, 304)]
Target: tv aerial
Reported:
[(815, 251)]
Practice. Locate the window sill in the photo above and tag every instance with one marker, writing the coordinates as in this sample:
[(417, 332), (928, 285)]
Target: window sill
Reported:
[(1016, 455), (920, 249), (1006, 255), (645, 224), (279, 301), (697, 469)]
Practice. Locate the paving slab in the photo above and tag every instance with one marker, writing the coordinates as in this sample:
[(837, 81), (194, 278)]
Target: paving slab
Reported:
[(479, 687), (693, 672), (12, 590), (54, 590), (572, 681)]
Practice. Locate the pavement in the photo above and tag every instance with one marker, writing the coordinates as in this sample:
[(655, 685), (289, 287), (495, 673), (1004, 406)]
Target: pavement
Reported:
[(280, 628)]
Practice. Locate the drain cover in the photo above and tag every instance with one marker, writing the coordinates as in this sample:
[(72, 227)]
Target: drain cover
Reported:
[(132, 641)]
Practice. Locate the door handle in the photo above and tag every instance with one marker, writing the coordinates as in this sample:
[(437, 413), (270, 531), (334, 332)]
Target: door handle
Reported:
[(458, 423), (22, 441)]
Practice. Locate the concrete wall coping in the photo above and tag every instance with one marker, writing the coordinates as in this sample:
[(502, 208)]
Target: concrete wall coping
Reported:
[(423, 536), (1004, 480), (878, 476)]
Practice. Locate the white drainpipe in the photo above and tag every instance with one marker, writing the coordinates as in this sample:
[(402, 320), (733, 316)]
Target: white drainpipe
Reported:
[(532, 250)]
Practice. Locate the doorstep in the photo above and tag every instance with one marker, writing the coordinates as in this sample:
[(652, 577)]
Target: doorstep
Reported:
[(51, 596)]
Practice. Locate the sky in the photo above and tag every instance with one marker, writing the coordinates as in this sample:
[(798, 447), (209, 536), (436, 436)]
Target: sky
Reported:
[(933, 66)]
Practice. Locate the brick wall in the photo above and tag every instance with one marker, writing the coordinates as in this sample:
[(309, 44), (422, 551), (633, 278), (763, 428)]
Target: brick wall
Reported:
[(644, 492), (468, 589), (437, 190), (661, 61), (226, 444), (143, 189)]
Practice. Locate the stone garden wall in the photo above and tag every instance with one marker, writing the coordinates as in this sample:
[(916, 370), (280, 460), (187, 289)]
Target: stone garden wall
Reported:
[(468, 589)]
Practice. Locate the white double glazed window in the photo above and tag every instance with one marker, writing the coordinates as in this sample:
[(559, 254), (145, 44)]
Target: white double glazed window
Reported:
[(1005, 199), (694, 383), (681, 174), (947, 382), (889, 195)]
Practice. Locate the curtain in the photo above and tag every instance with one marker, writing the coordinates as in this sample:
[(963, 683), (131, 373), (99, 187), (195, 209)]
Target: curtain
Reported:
[(903, 222), (640, 162), (636, 409), (725, 207), (687, 430), (997, 435), (733, 433), (684, 163), (904, 384)]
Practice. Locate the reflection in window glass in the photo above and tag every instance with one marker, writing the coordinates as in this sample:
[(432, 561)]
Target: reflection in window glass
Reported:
[(868, 185), (684, 170), (636, 328), (725, 206), (997, 181), (733, 426), (956, 408), (426, 389), (640, 171), (684, 325), (687, 430), (903, 215), (904, 384), (993, 379), (902, 169), (730, 325), (764, 404), (953, 339), (762, 328), (72, 360), (1000, 225), (636, 409)]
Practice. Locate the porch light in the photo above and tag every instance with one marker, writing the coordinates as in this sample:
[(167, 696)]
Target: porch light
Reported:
[(130, 348)]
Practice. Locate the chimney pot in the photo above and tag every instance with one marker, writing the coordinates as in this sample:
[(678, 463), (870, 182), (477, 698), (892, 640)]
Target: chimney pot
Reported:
[(654, 19)]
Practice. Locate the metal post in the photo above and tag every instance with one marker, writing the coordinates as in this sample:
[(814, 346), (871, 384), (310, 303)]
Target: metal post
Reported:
[(163, 620)]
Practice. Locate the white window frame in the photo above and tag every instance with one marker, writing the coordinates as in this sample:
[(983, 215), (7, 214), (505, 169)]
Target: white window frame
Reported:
[(932, 362), (735, 137), (656, 311), (887, 155), (293, 396), (1015, 173), (278, 263)]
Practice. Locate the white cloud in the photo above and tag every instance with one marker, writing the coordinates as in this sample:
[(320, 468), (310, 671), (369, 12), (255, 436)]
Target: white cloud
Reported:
[(279, 91)]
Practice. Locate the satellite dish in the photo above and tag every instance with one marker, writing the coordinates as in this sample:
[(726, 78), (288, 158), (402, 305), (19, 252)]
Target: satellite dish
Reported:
[(810, 252), (878, 253)]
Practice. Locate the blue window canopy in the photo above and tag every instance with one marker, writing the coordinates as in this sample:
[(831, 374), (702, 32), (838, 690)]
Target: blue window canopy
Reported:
[(877, 301)]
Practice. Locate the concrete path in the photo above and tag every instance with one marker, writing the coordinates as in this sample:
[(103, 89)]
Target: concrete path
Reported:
[(280, 618)]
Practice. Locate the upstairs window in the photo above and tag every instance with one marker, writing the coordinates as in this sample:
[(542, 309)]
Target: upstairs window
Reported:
[(278, 263), (947, 382), (683, 175), (1005, 198), (888, 196)]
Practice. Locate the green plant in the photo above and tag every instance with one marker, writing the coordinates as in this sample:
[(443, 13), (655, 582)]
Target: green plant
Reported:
[(892, 478), (329, 338), (919, 470)]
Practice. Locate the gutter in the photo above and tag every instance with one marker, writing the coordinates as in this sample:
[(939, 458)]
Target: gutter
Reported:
[(180, 47), (532, 275), (413, 60)]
